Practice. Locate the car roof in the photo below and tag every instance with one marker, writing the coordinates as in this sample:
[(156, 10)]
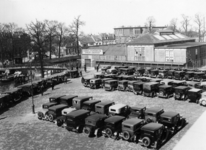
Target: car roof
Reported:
[(189, 72), (171, 70), (165, 86), (155, 80), (139, 83), (152, 126), (203, 83), (151, 83), (181, 87), (192, 82), (153, 110), (177, 81), (195, 90), (96, 117), (137, 108), (131, 82), (104, 103), (82, 98), (95, 79), (132, 121), (68, 97), (123, 81), (109, 81), (12, 90), (203, 93), (199, 73), (3, 95), (169, 114), (56, 96), (58, 107), (179, 71), (114, 119), (91, 102), (117, 106), (77, 113)]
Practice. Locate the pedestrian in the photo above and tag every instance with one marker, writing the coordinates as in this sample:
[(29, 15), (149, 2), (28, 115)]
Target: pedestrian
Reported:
[(98, 67), (80, 73), (52, 85), (85, 67), (65, 79)]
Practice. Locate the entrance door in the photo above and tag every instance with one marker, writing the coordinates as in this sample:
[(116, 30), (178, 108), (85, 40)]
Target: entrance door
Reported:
[(88, 62)]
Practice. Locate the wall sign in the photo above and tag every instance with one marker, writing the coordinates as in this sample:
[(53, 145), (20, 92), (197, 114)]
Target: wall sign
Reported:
[(92, 51)]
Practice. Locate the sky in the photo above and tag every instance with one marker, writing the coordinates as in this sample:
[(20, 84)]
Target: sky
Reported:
[(100, 16)]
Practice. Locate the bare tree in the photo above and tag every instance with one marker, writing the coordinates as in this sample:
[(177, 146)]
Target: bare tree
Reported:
[(62, 32), (51, 27), (74, 28), (173, 24), (185, 23), (37, 31), (150, 22), (199, 21)]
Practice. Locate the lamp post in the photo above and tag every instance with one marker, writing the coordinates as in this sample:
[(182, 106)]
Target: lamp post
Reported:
[(32, 97)]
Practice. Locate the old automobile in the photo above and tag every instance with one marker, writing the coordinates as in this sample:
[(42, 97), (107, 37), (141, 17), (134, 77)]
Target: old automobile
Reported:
[(139, 71), (179, 75), (54, 112), (119, 109), (165, 91), (103, 107), (194, 95), (131, 129), (147, 72), (202, 100), (126, 71), (4, 101), (143, 79), (113, 76), (111, 85), (153, 135), (122, 85), (29, 89), (112, 126), (154, 73), (75, 121), (138, 88), (162, 74), (105, 68), (153, 114), (15, 94), (202, 86), (137, 112), (103, 81), (151, 89), (172, 120), (189, 76), (199, 76), (176, 83), (181, 92), (90, 105), (130, 86), (95, 83), (86, 81), (94, 124), (78, 101), (171, 74), (99, 75), (193, 84)]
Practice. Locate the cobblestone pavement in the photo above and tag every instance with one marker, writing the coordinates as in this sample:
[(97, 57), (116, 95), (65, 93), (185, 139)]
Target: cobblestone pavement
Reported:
[(20, 129)]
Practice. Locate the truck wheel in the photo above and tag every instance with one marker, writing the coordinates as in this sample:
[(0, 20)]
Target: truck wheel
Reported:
[(146, 141), (87, 130), (182, 123), (108, 132), (203, 103), (97, 132), (126, 135), (40, 115), (50, 117), (59, 122)]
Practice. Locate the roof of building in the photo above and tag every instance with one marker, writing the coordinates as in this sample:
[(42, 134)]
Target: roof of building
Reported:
[(181, 46), (160, 27), (112, 50), (158, 38), (86, 40)]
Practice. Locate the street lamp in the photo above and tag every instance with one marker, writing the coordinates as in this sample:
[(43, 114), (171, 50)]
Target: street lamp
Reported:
[(32, 97)]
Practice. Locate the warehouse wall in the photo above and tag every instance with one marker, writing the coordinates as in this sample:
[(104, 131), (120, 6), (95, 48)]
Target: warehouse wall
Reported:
[(140, 53), (180, 55), (160, 55)]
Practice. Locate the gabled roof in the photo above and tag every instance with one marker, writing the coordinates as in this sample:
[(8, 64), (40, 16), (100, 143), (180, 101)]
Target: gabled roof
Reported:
[(86, 40)]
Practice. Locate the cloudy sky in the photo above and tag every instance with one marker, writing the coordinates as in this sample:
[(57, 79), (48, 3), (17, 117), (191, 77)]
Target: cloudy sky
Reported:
[(100, 16)]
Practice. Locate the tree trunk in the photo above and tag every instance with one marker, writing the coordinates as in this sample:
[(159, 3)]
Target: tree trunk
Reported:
[(41, 63), (50, 47)]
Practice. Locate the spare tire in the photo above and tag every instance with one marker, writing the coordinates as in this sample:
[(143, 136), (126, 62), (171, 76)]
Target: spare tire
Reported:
[(40, 115), (59, 122), (146, 141), (126, 135)]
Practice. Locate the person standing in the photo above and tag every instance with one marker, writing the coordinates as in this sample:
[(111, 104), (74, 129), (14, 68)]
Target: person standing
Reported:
[(42, 89), (85, 67), (52, 85), (98, 67)]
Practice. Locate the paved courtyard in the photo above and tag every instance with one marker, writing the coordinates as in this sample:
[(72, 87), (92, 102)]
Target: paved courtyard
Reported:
[(20, 129)]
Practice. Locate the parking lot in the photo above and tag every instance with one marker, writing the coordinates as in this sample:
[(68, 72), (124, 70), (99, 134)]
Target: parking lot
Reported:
[(20, 129)]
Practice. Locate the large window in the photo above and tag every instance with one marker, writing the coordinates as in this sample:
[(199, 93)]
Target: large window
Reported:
[(169, 55)]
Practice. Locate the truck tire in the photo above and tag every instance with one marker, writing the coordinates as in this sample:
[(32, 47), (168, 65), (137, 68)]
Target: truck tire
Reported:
[(108, 132), (40, 115), (165, 135), (146, 141), (126, 135), (87, 130)]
